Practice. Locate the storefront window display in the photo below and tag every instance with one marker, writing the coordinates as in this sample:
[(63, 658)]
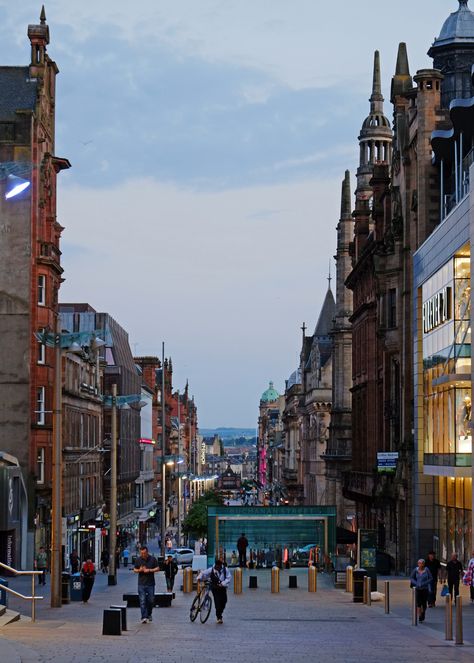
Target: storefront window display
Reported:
[(447, 365)]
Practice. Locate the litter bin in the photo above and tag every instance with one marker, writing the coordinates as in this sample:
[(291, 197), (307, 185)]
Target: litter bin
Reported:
[(4, 593), (65, 579), (358, 585), (76, 587)]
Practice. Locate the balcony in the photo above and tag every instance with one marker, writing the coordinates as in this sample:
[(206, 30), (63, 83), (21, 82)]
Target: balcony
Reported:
[(338, 450), (358, 485)]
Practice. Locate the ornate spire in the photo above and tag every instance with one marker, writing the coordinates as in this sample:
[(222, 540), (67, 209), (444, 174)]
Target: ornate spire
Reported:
[(346, 195), (376, 99), (402, 68), (42, 16), (329, 275)]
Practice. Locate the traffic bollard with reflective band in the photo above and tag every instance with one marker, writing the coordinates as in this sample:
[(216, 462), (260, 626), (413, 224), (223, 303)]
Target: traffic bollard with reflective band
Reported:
[(414, 612), (387, 596), (312, 579), (448, 619), (237, 581), (459, 633), (349, 571), (275, 580)]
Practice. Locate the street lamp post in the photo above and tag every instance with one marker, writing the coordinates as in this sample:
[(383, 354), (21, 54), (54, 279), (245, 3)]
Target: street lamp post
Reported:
[(112, 578)]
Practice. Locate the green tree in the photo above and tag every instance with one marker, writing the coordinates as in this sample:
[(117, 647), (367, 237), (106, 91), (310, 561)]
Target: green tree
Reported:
[(195, 522)]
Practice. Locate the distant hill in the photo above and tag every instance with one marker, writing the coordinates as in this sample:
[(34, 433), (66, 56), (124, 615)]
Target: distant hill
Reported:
[(226, 433)]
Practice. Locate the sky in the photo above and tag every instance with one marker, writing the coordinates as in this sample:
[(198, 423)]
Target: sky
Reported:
[(208, 141)]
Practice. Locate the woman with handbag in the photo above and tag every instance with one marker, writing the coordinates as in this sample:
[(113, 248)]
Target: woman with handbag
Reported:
[(422, 579)]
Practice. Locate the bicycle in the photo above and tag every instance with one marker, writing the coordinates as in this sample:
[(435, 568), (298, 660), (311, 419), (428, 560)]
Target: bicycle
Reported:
[(202, 604)]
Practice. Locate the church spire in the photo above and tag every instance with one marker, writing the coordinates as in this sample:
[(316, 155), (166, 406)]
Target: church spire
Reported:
[(42, 16), (376, 98)]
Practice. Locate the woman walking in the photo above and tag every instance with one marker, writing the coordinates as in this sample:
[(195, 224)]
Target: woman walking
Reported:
[(88, 577), (422, 580)]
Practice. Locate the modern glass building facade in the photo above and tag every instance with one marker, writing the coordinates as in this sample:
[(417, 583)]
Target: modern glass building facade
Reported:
[(442, 367), (272, 530)]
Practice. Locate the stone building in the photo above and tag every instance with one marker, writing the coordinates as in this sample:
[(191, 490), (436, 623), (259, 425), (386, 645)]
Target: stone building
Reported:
[(30, 274)]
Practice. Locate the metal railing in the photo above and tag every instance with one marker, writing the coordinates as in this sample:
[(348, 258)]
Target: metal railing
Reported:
[(33, 598)]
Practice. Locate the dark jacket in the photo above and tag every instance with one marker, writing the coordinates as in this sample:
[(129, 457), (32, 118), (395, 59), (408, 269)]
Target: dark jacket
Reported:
[(434, 566), (170, 569), (242, 544), (454, 570)]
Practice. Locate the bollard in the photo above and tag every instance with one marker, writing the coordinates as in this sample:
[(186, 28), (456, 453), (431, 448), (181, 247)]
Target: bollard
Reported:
[(312, 579), (448, 619), (364, 589), (387, 596), (123, 611), (238, 581), (349, 571), (275, 580), (112, 622), (253, 582), (292, 582), (414, 613), (368, 591), (187, 580), (459, 634)]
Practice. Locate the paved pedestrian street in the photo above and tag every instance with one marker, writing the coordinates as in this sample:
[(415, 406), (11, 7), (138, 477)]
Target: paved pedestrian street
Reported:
[(291, 626)]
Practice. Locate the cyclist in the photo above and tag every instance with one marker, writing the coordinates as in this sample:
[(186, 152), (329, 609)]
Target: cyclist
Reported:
[(219, 576)]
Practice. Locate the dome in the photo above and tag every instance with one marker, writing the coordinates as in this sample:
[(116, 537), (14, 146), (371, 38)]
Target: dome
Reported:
[(458, 27), (295, 378), (270, 395)]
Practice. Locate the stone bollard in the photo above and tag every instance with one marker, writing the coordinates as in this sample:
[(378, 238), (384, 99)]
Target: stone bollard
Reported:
[(275, 580), (312, 579), (238, 581), (448, 619)]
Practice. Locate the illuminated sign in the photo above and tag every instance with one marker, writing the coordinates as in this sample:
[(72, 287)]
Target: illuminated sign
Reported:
[(146, 440), (437, 310)]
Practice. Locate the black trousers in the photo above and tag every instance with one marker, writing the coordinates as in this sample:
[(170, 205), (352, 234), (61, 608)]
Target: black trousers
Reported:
[(453, 584), (242, 558), (220, 600), (87, 584)]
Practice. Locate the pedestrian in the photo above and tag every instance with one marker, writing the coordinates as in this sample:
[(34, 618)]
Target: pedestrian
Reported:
[(468, 578), (74, 561), (242, 545), (125, 556), (117, 558), (170, 569), (41, 564), (219, 577), (454, 571), (146, 566), (87, 577), (422, 579), (434, 565), (104, 561)]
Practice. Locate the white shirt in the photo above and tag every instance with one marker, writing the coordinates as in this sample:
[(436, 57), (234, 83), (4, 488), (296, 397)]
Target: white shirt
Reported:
[(224, 575)]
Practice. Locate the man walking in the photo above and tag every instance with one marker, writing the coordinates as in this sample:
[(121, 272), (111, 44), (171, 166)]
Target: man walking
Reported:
[(171, 569), (434, 565), (219, 576), (242, 545), (146, 566), (454, 571), (41, 564)]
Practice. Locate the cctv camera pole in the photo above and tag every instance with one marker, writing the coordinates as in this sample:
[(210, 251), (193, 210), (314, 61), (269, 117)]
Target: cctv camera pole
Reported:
[(163, 445), (112, 579)]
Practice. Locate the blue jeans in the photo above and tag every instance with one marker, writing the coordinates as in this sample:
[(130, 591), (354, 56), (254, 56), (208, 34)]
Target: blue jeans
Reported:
[(146, 596)]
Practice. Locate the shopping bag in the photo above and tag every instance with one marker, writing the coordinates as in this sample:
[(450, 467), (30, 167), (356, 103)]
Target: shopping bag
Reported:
[(444, 590)]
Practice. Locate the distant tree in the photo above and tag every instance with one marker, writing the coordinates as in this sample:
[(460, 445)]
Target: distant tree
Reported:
[(195, 522)]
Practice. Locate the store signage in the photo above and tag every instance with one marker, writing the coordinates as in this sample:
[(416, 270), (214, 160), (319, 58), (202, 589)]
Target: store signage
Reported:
[(387, 461), (437, 310)]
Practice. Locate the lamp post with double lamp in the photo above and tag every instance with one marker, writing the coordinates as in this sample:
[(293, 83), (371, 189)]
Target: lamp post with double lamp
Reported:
[(61, 342), (115, 402)]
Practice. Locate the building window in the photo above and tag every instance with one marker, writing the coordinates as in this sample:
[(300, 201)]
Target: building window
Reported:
[(40, 466), (40, 406), (42, 290), (392, 308), (41, 358)]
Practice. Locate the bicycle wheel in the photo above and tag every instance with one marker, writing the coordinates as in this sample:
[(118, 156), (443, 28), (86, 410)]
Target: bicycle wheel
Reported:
[(193, 613), (205, 611)]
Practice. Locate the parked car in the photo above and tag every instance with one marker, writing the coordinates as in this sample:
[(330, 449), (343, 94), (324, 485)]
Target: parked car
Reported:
[(182, 556)]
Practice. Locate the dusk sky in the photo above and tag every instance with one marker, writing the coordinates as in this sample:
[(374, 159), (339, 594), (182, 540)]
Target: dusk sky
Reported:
[(208, 142)]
